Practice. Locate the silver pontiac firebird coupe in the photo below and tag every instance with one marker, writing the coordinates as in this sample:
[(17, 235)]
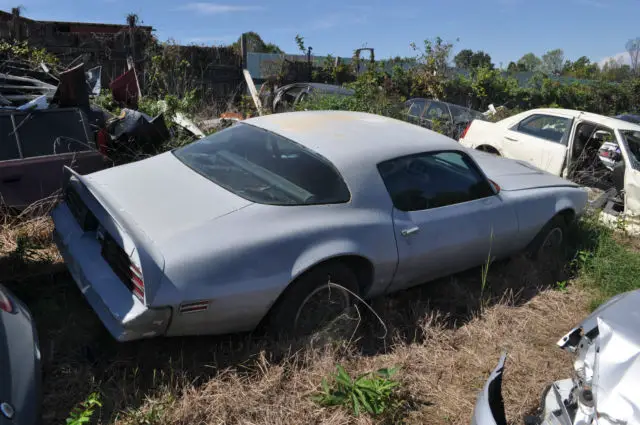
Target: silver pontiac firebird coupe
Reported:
[(247, 226)]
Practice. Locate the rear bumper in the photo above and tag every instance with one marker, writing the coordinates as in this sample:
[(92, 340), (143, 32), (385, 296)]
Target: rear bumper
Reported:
[(124, 316)]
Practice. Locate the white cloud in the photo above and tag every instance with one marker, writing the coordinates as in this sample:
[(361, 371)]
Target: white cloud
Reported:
[(622, 58), (215, 8)]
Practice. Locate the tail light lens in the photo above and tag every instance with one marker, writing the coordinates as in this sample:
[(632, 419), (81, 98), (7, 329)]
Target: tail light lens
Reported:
[(5, 303), (464, 133), (137, 281)]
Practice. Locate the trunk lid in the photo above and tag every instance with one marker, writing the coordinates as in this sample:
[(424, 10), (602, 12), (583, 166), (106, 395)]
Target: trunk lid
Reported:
[(163, 196), (512, 174)]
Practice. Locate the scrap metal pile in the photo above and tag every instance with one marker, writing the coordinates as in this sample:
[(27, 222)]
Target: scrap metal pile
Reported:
[(48, 120)]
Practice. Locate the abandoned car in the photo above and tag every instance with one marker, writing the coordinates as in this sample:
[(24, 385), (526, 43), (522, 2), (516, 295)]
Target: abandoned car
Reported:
[(36, 145), (285, 98), (453, 118), (604, 387), (249, 225), (599, 152)]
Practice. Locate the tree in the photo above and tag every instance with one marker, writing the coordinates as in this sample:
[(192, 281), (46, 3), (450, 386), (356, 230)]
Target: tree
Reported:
[(463, 59), (581, 68), (481, 59), (468, 59), (614, 71), (300, 43), (256, 44), (512, 68), (431, 72), (529, 62), (552, 61), (633, 47)]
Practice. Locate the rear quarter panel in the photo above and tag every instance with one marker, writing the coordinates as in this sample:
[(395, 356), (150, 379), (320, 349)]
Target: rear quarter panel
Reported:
[(535, 207), (483, 133), (242, 262)]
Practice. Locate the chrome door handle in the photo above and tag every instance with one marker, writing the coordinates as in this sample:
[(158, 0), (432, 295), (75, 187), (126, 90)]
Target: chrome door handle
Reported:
[(410, 231)]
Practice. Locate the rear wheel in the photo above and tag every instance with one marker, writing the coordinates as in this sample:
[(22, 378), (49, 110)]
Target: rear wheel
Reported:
[(314, 300)]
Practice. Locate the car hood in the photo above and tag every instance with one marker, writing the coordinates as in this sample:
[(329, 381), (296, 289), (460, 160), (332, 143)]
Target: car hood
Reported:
[(612, 362), (163, 196), (512, 174)]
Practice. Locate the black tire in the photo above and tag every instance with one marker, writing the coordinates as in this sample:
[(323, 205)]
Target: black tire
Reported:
[(552, 236), (290, 309)]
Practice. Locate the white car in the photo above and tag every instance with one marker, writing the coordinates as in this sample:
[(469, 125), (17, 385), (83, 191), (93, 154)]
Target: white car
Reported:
[(570, 144)]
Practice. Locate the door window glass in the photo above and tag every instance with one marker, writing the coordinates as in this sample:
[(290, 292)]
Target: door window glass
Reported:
[(433, 180), (548, 127)]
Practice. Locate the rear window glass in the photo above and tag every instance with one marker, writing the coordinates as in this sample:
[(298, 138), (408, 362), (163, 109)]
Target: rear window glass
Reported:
[(264, 167)]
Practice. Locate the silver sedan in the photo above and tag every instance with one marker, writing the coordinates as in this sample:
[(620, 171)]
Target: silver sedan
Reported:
[(247, 226)]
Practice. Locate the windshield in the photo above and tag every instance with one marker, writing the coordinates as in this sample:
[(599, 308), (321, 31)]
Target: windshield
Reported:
[(633, 142), (264, 167)]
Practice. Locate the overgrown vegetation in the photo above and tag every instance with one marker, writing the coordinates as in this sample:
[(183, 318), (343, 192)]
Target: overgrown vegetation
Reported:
[(607, 260), (429, 74), (22, 51)]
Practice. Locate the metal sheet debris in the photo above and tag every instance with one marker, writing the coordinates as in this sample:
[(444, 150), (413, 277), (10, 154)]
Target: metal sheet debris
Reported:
[(126, 89), (73, 89), (187, 124)]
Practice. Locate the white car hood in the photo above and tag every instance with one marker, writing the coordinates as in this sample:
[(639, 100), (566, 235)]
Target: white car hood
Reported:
[(615, 361), (512, 174), (164, 196)]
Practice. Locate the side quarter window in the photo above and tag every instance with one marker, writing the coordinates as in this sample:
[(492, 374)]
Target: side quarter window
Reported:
[(547, 127), (415, 110), (433, 180), (436, 110)]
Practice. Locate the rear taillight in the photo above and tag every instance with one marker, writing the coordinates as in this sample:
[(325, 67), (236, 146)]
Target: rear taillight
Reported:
[(5, 302), (138, 281), (464, 133)]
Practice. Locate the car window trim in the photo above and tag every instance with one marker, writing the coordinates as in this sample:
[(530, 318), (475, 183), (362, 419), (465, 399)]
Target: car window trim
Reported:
[(474, 165)]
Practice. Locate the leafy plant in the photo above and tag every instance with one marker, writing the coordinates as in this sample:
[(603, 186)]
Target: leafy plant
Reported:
[(562, 286), (14, 49), (82, 413), (371, 392)]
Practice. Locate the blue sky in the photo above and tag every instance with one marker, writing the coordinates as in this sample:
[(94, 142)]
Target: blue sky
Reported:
[(506, 29)]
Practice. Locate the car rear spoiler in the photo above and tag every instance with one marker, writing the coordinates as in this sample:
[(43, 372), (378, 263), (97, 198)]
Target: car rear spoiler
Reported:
[(151, 259)]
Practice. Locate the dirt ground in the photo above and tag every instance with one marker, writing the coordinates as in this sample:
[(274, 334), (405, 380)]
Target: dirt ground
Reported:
[(442, 337)]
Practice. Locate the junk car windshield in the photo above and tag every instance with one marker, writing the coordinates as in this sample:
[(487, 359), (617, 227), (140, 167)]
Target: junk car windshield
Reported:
[(264, 167)]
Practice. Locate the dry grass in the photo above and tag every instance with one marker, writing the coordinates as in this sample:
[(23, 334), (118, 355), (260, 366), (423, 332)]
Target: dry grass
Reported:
[(26, 244), (445, 338), (441, 375)]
